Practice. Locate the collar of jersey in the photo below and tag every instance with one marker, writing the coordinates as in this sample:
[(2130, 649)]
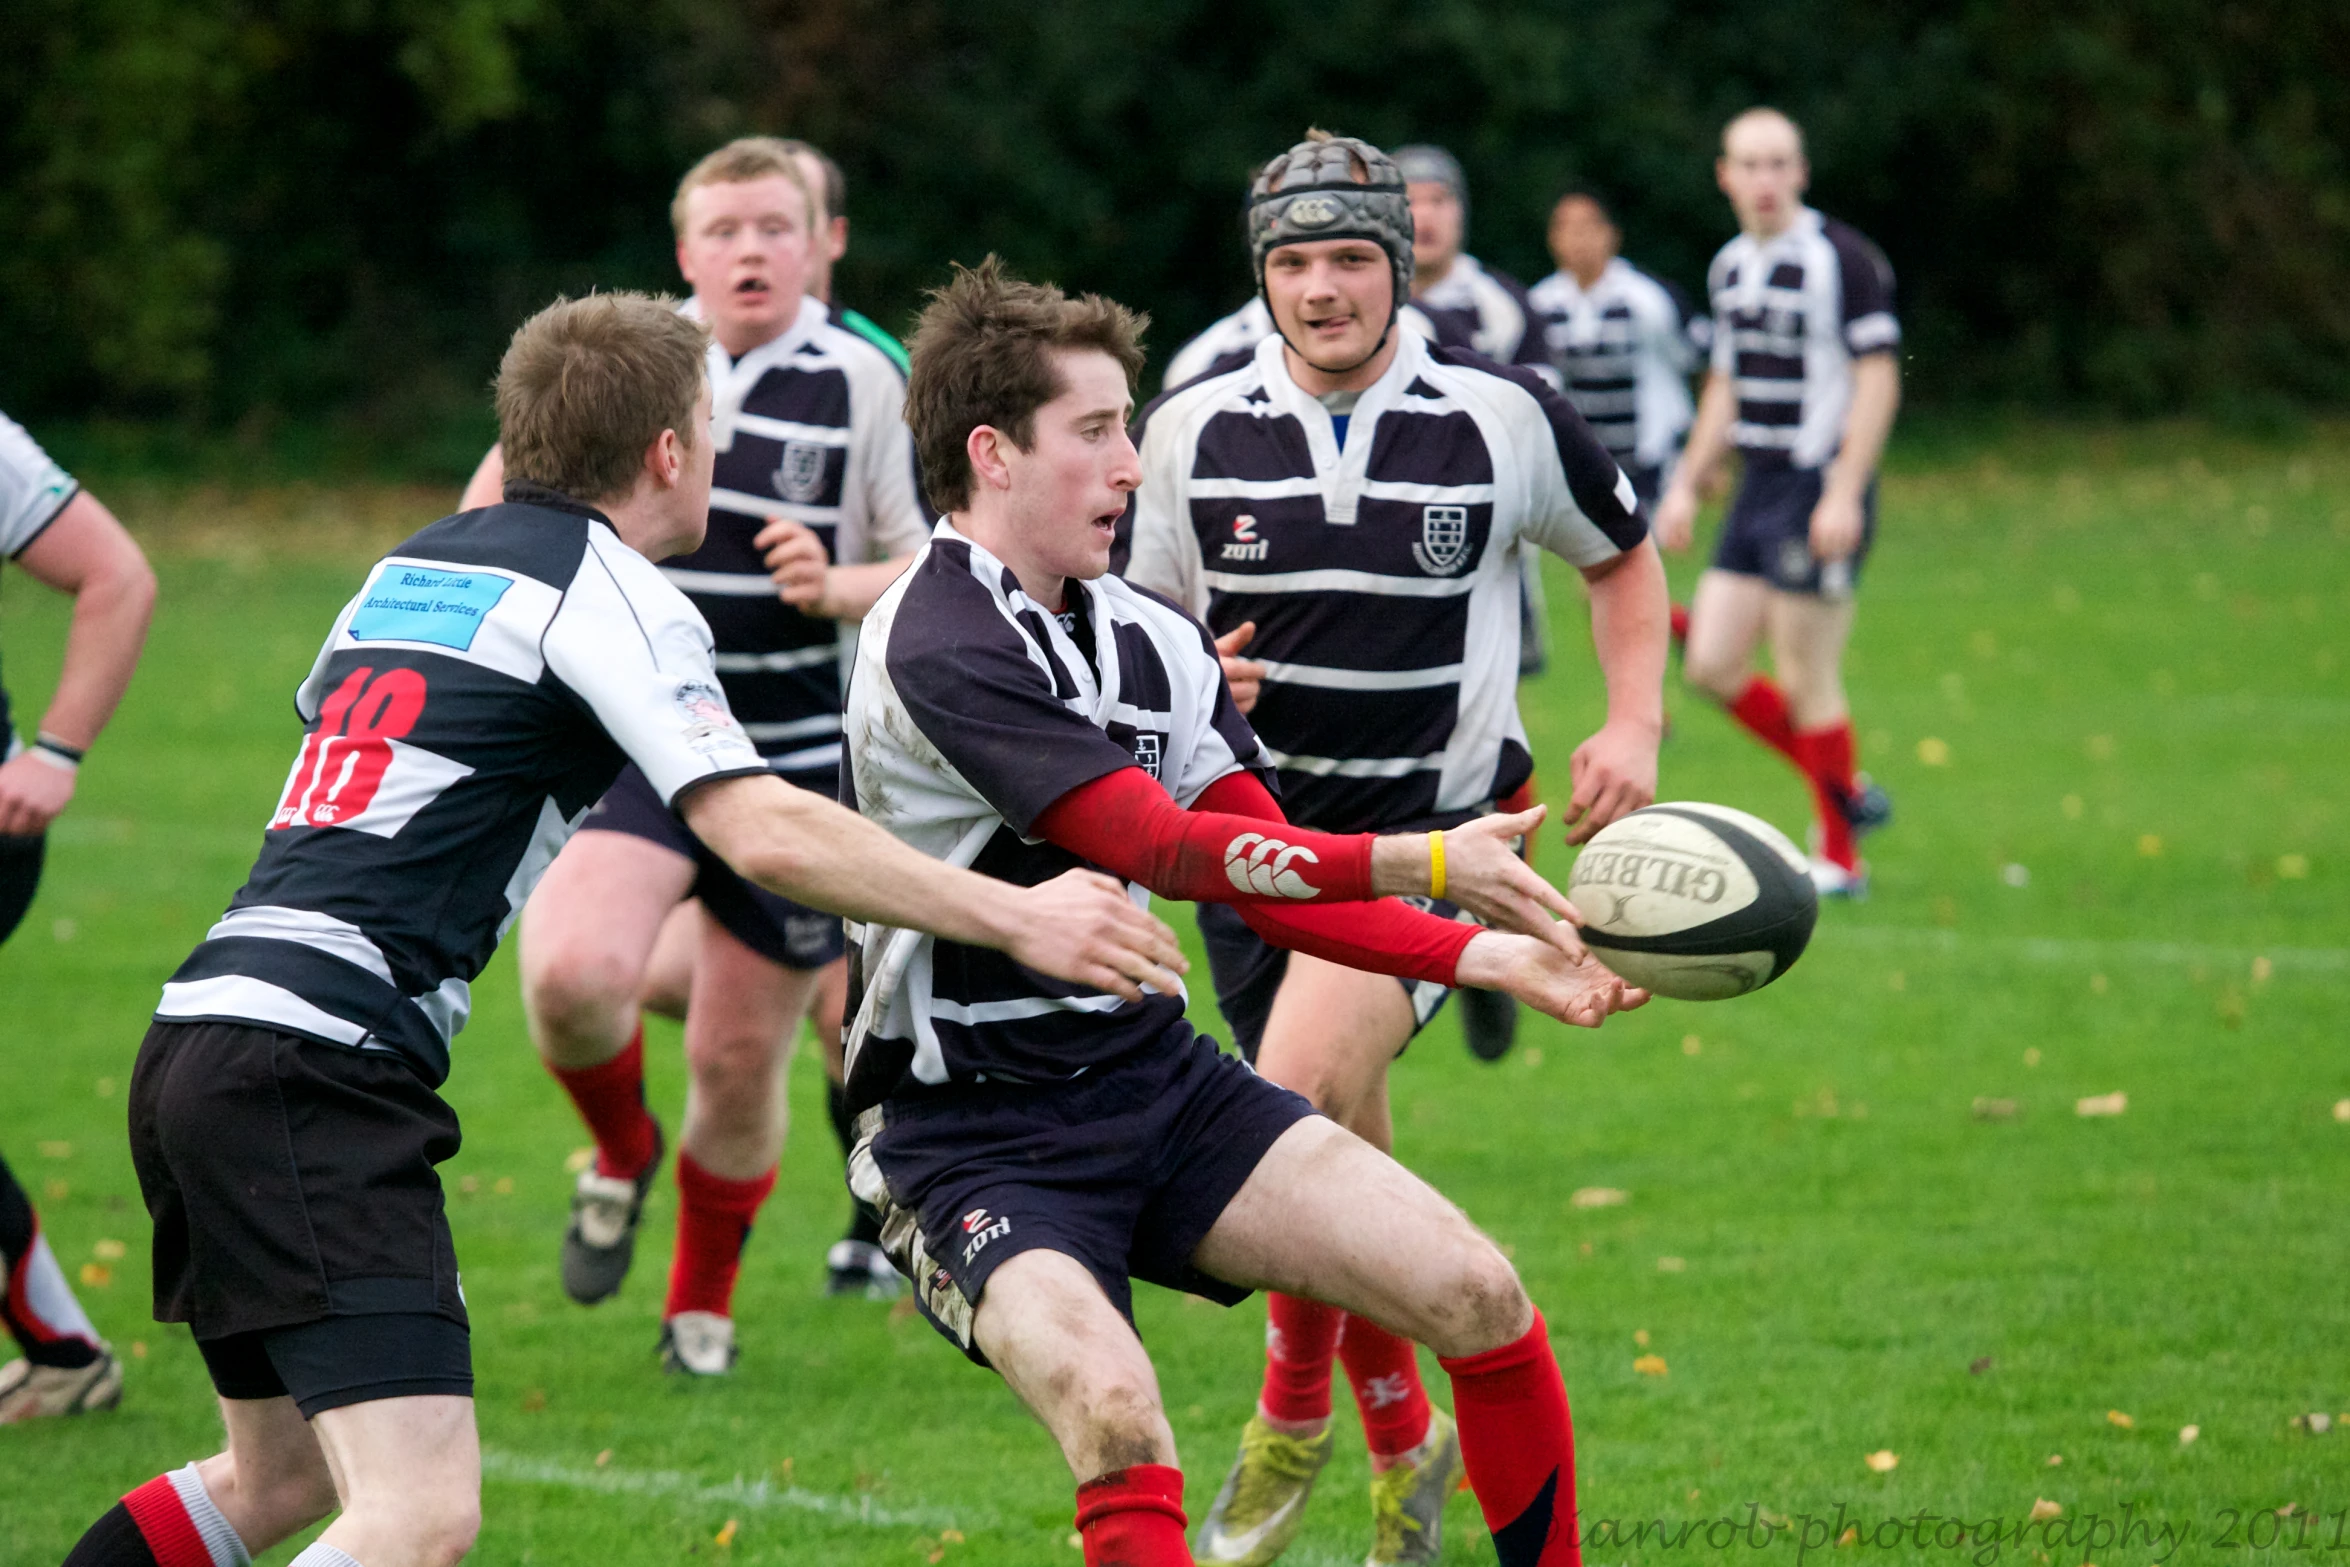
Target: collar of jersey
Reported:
[(1341, 474), (1095, 697), (731, 380)]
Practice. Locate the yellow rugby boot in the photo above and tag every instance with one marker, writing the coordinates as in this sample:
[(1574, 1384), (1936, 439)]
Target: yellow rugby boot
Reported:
[(1407, 1501), (1257, 1513)]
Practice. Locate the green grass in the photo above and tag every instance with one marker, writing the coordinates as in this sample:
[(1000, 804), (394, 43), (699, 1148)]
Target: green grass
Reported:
[(2131, 646)]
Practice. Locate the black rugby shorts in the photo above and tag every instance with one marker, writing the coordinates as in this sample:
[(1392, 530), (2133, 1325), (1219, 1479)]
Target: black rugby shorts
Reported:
[(1125, 1168), (790, 935), (1768, 533)]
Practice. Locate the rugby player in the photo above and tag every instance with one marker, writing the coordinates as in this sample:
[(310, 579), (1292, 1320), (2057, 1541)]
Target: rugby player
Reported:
[(67, 539), (1034, 1147), (471, 704), (1623, 341), (1365, 499), (815, 509), (1804, 385), (1470, 304)]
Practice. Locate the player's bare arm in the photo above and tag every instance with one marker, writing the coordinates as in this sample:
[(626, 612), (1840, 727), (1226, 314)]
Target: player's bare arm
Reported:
[(1078, 927), (1709, 444), (1876, 396), (86, 553), (1614, 772)]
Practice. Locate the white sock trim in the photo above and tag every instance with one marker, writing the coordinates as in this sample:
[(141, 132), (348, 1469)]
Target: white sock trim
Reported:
[(220, 1540), (322, 1554)]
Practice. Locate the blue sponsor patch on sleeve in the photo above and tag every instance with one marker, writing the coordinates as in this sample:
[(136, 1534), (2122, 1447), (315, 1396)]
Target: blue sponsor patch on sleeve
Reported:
[(422, 604)]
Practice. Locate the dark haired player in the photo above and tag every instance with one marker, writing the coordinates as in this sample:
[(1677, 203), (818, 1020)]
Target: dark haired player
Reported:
[(1804, 385), (474, 699), (1366, 500), (1034, 1146), (66, 539)]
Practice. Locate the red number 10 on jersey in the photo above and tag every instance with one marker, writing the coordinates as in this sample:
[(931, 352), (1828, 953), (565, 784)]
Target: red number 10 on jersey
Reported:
[(344, 760)]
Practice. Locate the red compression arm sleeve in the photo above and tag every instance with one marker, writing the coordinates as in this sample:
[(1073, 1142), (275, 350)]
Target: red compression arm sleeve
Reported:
[(1213, 853)]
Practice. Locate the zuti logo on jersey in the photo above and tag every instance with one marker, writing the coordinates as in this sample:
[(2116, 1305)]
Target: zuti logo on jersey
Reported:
[(1245, 544), (1444, 540), (799, 478)]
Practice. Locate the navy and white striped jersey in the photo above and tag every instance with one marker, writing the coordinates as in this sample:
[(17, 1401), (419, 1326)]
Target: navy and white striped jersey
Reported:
[(1625, 347), (474, 699), (1473, 306), (810, 426), (1231, 341), (1382, 572), (1791, 313), (972, 709), (33, 491)]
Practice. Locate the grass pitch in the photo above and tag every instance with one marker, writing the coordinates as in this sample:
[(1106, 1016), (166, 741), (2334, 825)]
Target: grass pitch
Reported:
[(2103, 677)]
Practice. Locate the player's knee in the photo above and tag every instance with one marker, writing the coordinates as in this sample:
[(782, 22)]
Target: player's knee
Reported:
[(732, 1060), (1717, 676), (575, 989), (300, 1498), (1483, 1305), (1123, 1427), (446, 1525)]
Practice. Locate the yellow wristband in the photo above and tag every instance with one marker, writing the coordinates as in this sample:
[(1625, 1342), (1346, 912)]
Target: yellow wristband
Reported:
[(1436, 865)]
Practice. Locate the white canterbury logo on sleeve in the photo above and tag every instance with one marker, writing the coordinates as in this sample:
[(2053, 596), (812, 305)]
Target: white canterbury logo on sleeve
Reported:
[(1256, 863)]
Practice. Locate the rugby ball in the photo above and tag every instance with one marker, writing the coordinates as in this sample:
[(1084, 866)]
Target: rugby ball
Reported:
[(1693, 901)]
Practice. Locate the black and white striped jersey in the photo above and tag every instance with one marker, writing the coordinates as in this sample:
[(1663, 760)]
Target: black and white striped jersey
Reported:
[(474, 699), (1382, 572), (1625, 347), (1473, 306), (810, 426), (1791, 313), (1231, 340), (972, 709), (33, 490)]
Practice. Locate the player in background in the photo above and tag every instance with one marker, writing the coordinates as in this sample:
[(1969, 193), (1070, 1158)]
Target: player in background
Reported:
[(814, 511), (471, 703), (1804, 385), (1034, 1146), (1624, 342), (66, 539), (831, 185), (1365, 499)]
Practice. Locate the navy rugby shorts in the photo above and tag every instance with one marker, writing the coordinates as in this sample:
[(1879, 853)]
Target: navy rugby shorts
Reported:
[(785, 933), (1125, 1168), (1768, 533), (1248, 971), (299, 1225)]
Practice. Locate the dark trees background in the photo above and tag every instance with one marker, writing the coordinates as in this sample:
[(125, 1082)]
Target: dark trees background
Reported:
[(234, 212)]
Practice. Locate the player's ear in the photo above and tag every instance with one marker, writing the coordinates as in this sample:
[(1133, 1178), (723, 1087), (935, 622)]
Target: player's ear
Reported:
[(984, 446)]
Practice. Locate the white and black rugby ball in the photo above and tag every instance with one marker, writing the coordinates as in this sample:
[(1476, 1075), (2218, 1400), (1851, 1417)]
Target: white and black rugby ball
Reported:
[(1697, 902)]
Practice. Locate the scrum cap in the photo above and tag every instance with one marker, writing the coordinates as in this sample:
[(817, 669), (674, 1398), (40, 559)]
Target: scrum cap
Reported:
[(1424, 163), (1310, 192)]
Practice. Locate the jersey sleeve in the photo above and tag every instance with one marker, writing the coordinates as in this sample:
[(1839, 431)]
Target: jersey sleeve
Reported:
[(1582, 508), (33, 489), (887, 493), (1161, 551), (1870, 326), (1717, 281), (632, 648), (966, 679)]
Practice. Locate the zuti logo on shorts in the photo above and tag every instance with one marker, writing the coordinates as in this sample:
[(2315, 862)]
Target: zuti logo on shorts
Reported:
[(423, 604)]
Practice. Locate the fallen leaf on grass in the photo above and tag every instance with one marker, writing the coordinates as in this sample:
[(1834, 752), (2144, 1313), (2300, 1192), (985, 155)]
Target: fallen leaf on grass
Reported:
[(1978, 1366), (724, 1538), (2316, 1424), (1691, 1044), (2188, 1434), (2054, 1459), (1994, 1109), (109, 1251), (2043, 1509), (2342, 1109), (1883, 1460), (1933, 752), (1671, 1265), (1077, 1542), (54, 1189), (2263, 971), (579, 1159), (56, 1150), (1640, 1337), (2150, 845), (1850, 1536), (138, 1349), (603, 1458), (534, 1400), (97, 1275), (2116, 1417), (1650, 1365), (1598, 1197), (2102, 1104), (2293, 867)]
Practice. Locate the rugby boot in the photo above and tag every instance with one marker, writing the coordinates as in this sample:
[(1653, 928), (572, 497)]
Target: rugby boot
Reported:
[(29, 1392), (1831, 880), (1489, 1021), (1263, 1502), (1868, 807), (1407, 1501), (698, 1343), (857, 1267), (601, 1240)]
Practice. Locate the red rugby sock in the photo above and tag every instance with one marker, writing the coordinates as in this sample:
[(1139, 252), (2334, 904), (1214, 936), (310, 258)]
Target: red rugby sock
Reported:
[(1680, 620), (611, 1099), (174, 1521), (1133, 1517), (1300, 1335), (714, 1218), (1519, 1445), (1762, 708), (1825, 755), (1385, 1373)]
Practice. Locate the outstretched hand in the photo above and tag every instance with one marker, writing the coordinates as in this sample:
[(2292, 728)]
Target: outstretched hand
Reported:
[(1484, 874), (1081, 927), (1577, 991)]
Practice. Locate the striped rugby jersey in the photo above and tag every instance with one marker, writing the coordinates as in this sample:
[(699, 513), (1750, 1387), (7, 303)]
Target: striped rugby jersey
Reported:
[(1382, 576), (34, 491), (1791, 313), (971, 710), (1473, 306), (474, 699), (810, 426), (1625, 347)]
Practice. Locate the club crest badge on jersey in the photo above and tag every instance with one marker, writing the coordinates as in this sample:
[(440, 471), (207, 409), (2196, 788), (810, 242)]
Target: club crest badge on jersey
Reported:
[(1146, 752), (799, 478), (1444, 540)]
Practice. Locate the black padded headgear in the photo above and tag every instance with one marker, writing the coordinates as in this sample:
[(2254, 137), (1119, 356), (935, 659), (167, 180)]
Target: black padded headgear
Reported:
[(1310, 192)]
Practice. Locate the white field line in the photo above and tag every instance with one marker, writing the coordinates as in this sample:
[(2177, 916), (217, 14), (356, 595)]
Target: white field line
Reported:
[(752, 1495), (2064, 949)]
